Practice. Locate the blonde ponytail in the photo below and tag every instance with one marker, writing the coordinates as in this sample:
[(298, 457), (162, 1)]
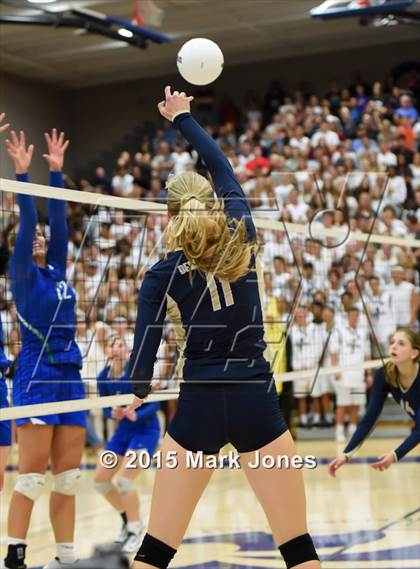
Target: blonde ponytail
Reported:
[(199, 226)]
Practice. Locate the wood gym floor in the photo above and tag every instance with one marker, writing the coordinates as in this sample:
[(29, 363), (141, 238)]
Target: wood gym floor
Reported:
[(363, 519)]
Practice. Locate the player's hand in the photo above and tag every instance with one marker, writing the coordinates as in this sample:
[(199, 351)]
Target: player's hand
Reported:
[(117, 413), (338, 376), (384, 461), (174, 103), (336, 464), (155, 383), (56, 149), (369, 380), (137, 402), (131, 416), (3, 127), (21, 156)]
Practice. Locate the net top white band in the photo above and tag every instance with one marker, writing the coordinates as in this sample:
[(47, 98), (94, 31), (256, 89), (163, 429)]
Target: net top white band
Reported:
[(143, 206)]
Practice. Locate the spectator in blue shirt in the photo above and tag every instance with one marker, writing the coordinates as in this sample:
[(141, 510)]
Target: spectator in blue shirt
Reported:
[(406, 109)]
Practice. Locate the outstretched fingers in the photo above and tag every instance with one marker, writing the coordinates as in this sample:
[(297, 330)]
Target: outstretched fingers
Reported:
[(168, 93), (30, 151)]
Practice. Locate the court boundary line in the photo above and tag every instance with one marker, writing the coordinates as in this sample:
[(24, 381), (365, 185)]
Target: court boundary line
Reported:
[(358, 541)]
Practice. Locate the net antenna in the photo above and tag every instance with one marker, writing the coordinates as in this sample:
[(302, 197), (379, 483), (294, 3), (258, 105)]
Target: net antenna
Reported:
[(147, 13), (331, 9)]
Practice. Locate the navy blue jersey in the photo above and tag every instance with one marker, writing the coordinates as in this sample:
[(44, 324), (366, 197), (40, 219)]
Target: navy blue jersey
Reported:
[(223, 321), (146, 414), (409, 401), (44, 300)]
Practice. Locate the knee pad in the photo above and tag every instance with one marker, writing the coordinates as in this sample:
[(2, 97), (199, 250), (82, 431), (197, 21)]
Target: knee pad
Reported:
[(298, 550), (66, 482), (154, 552), (30, 485), (103, 487), (125, 485)]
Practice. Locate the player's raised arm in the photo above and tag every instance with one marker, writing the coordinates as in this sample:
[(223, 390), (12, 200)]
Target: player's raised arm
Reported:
[(151, 313), (21, 262), (57, 250), (5, 126), (176, 108)]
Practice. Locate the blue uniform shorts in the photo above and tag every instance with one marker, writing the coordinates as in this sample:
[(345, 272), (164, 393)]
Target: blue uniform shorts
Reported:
[(245, 414), (49, 383), (5, 426), (124, 440)]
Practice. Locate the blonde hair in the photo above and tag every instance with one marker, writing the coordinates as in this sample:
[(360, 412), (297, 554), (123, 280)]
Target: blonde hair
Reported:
[(211, 241), (391, 370)]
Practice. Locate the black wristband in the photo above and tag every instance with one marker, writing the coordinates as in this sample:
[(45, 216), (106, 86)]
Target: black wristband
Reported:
[(141, 389)]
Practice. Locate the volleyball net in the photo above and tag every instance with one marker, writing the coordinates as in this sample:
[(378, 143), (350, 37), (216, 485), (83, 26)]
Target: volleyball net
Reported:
[(312, 272)]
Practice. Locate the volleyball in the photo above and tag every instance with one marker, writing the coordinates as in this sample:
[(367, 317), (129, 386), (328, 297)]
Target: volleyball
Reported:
[(200, 61)]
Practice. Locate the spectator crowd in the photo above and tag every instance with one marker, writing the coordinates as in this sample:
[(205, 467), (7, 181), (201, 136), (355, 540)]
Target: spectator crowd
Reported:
[(348, 158)]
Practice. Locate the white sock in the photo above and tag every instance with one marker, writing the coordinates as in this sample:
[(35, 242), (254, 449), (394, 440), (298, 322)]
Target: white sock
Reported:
[(339, 428), (316, 417), (65, 552), (304, 418), (135, 527), (352, 429), (329, 417), (15, 540)]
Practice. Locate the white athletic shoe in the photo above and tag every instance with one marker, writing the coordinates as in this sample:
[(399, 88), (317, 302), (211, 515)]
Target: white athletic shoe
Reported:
[(56, 564), (340, 436), (133, 542), (122, 536), (351, 430)]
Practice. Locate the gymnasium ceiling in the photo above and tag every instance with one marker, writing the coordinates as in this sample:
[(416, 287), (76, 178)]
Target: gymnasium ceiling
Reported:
[(247, 31)]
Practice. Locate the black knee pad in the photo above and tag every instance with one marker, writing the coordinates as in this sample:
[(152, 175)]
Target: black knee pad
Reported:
[(154, 552), (298, 550)]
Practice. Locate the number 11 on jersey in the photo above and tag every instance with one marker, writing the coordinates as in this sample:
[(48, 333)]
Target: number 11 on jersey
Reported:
[(214, 292)]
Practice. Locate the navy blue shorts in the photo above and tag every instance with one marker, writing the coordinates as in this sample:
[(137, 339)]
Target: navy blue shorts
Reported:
[(245, 414), (47, 384)]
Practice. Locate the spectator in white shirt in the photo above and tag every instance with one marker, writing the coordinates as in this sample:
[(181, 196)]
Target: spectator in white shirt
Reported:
[(415, 171), (327, 136), (385, 157), (122, 183), (181, 159), (281, 274), (119, 228), (245, 153), (396, 191), (300, 141), (382, 315), (163, 162), (92, 277), (297, 210), (389, 223), (411, 223), (385, 257), (404, 298), (306, 354), (350, 345)]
